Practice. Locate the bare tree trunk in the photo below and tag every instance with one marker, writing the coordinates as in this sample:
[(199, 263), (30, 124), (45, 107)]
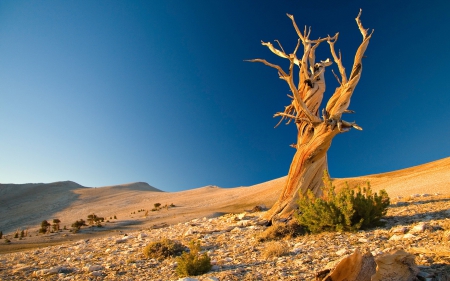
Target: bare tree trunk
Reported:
[(305, 173), (314, 133)]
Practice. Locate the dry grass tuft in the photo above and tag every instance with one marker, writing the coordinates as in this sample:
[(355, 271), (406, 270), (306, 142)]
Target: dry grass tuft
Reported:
[(275, 249)]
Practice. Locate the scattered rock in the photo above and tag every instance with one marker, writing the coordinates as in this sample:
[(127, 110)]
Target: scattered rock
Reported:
[(236, 255), (396, 266)]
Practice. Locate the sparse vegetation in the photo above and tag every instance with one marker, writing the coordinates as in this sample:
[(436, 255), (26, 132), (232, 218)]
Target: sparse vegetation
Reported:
[(78, 224), (1, 234), (345, 211), (157, 205), (275, 249), (115, 217), (44, 226), (280, 230), (94, 219), (193, 263), (56, 223), (163, 249)]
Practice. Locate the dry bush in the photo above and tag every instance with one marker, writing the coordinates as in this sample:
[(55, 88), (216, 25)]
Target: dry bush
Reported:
[(280, 230), (275, 249), (163, 249)]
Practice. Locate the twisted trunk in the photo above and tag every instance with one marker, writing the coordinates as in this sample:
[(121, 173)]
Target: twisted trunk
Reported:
[(305, 172)]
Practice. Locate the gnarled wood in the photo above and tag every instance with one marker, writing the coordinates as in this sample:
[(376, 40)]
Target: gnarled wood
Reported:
[(314, 133)]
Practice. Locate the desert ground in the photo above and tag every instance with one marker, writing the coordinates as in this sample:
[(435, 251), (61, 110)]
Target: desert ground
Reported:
[(25, 206), (202, 212)]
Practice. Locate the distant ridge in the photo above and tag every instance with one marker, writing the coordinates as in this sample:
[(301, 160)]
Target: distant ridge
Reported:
[(142, 186)]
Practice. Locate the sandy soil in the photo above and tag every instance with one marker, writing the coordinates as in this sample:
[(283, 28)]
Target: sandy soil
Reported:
[(24, 206)]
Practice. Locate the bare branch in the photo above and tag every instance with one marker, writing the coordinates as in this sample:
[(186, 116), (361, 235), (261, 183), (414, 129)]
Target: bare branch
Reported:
[(279, 44), (296, 27), (275, 50), (337, 60), (281, 72), (337, 78), (340, 101)]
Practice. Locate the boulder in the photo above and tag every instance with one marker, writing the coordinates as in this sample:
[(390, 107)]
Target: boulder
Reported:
[(395, 266)]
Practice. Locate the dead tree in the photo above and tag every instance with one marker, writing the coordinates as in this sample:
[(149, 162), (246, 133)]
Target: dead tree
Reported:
[(315, 132)]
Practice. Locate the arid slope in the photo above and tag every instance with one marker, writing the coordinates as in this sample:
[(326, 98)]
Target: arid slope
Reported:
[(26, 205)]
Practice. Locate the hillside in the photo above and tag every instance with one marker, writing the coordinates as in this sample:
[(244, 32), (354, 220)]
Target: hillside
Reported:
[(26, 205)]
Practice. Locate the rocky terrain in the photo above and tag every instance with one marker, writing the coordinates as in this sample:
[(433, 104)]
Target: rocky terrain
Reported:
[(418, 224)]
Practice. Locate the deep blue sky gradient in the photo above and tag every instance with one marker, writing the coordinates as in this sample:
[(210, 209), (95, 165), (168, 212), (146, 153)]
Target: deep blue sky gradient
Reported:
[(110, 92)]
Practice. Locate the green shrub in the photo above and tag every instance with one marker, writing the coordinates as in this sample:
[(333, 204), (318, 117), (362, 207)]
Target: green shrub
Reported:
[(163, 249), (78, 224), (44, 226), (345, 211), (157, 205), (193, 263)]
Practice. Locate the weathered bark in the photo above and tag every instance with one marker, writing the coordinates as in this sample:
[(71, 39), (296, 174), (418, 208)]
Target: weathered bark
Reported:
[(314, 133)]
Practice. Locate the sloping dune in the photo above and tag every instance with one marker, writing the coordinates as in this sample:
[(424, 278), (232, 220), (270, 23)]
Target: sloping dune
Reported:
[(26, 205), (430, 178)]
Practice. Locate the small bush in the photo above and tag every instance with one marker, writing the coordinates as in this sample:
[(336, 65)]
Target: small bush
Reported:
[(157, 205), (44, 226), (1, 234), (280, 230), (345, 211), (78, 224), (193, 263), (275, 249), (16, 235), (115, 217), (163, 249)]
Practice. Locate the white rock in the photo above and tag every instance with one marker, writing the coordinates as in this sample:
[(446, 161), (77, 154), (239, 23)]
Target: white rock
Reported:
[(241, 216), (395, 237), (399, 229), (244, 223), (341, 252), (408, 236), (187, 279), (236, 229), (96, 273), (141, 236), (421, 227), (363, 240), (54, 270), (93, 268)]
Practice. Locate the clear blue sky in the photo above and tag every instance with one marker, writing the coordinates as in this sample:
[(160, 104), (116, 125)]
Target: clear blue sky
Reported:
[(110, 92)]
